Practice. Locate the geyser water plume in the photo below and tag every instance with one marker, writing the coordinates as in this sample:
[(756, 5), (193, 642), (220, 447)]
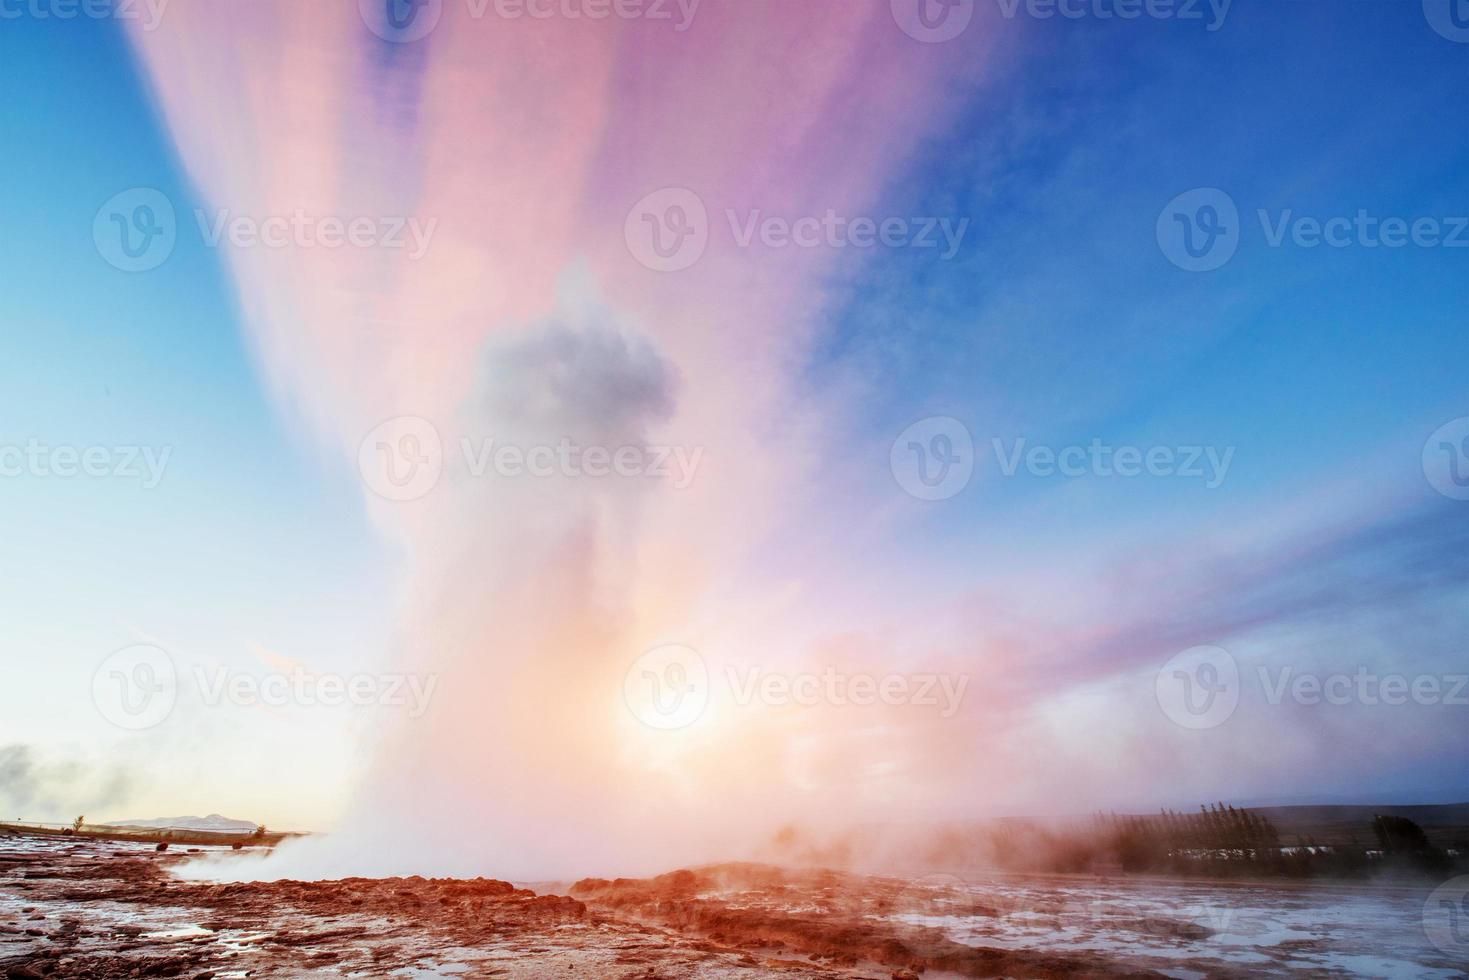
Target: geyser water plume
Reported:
[(529, 320)]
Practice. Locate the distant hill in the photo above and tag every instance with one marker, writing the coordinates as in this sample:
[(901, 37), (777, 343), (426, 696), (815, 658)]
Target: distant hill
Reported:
[(1446, 825), (214, 822)]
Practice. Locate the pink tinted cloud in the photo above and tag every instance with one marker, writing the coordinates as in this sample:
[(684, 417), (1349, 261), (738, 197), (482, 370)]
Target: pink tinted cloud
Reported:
[(526, 144)]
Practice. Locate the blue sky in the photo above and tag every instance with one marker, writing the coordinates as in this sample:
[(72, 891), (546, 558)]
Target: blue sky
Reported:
[(250, 538), (1062, 320)]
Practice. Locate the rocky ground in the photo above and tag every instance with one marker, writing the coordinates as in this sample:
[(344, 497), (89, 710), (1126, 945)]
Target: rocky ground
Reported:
[(93, 909)]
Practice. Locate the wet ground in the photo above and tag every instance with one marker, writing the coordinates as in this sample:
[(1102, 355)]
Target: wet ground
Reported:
[(1062, 925), (103, 910), (1195, 929), (91, 909)]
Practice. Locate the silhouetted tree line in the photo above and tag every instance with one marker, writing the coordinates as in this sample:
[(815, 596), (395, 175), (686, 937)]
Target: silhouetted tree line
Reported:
[(1218, 840), (1403, 842), (1220, 828)]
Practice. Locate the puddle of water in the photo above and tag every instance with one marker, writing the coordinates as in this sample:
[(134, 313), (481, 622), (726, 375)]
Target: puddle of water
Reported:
[(429, 972), (183, 932), (243, 942)]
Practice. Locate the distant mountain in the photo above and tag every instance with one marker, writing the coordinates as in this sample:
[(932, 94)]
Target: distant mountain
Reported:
[(213, 822)]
